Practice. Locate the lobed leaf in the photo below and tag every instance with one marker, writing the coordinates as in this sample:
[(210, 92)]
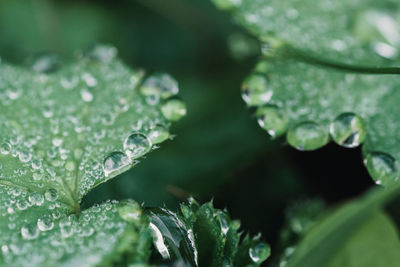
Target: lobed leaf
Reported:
[(319, 77), (63, 132)]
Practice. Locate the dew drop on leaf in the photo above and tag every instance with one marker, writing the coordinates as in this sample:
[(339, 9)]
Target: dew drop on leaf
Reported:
[(272, 119), (259, 253), (36, 199), (45, 223), (130, 211), (382, 167), (86, 95), (173, 109), (46, 63), (136, 145), (162, 85), (29, 231), (307, 136), (5, 148), (51, 194), (116, 163), (348, 130), (255, 90), (158, 134), (24, 156)]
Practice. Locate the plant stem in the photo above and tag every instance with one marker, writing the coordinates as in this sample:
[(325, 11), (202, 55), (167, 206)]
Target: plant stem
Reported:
[(289, 52)]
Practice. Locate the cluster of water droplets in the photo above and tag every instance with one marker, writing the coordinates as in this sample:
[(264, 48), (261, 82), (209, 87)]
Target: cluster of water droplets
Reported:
[(298, 99), (158, 89), (38, 234)]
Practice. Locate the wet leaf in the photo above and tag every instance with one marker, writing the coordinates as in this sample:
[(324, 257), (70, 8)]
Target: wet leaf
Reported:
[(63, 132), (326, 75)]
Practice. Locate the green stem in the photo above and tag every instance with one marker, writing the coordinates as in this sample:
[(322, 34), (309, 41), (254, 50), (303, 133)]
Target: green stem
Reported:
[(287, 51)]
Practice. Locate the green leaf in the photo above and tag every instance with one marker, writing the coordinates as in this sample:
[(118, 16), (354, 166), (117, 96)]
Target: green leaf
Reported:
[(376, 243), (204, 236), (353, 31), (311, 91), (63, 132), (37, 231), (337, 236)]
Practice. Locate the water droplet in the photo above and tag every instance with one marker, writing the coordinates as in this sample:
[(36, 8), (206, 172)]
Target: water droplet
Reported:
[(5, 148), (45, 223), (69, 81), (136, 145), (86, 95), (101, 52), (130, 211), (307, 136), (29, 231), (382, 167), (348, 130), (65, 228), (89, 79), (223, 221), (36, 199), (24, 156), (51, 194), (116, 163), (46, 63), (173, 109), (272, 119), (255, 90), (22, 204), (158, 133), (160, 84), (259, 252)]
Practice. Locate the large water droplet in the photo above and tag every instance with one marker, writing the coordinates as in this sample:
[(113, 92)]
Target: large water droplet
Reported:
[(158, 133), (162, 85), (130, 211), (307, 136), (382, 167), (116, 163), (255, 90), (136, 145), (348, 130), (29, 231), (259, 252), (174, 109), (273, 120)]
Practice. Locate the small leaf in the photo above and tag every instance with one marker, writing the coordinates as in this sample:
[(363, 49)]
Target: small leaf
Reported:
[(204, 236)]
